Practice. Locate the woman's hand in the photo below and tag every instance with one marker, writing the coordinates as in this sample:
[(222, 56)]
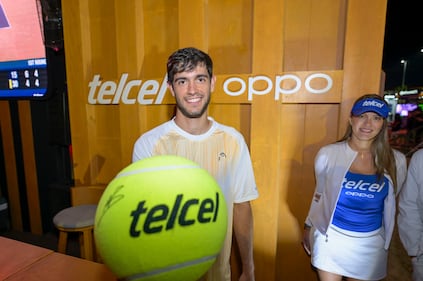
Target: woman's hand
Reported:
[(306, 239)]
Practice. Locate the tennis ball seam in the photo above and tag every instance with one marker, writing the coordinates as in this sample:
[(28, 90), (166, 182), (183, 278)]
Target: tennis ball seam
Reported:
[(139, 276)]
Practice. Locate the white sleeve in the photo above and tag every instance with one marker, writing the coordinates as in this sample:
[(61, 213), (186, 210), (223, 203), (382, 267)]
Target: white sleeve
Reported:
[(142, 149), (410, 221), (244, 180)]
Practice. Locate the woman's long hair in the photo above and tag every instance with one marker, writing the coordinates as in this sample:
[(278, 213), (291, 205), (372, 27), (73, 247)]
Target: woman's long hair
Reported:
[(383, 155)]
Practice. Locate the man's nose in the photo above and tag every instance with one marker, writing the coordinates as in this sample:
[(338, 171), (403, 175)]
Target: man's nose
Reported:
[(191, 87)]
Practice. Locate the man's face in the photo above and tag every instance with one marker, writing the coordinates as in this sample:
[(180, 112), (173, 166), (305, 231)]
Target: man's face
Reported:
[(192, 91)]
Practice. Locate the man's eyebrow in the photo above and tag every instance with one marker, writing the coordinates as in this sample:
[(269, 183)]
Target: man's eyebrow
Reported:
[(195, 77)]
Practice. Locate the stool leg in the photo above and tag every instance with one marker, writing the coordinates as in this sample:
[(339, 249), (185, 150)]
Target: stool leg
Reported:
[(87, 244), (96, 254), (63, 237)]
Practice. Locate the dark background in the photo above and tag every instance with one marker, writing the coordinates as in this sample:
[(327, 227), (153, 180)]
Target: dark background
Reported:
[(403, 40)]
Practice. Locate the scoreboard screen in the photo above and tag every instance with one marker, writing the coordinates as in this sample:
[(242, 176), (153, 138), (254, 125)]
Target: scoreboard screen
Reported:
[(23, 63)]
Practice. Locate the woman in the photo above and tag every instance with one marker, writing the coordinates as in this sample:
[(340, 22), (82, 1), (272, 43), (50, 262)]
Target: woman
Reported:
[(352, 214)]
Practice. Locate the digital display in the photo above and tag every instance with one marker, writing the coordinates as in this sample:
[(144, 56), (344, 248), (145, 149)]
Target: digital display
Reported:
[(23, 63)]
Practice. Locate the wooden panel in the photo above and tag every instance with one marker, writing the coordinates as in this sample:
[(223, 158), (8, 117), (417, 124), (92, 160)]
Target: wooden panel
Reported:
[(245, 38), (160, 30), (102, 34), (234, 115), (31, 179), (90, 194), (130, 34), (104, 142), (293, 119), (311, 34), (77, 19), (362, 61), (265, 137), (11, 173), (230, 35), (314, 90), (192, 32), (130, 59), (305, 128)]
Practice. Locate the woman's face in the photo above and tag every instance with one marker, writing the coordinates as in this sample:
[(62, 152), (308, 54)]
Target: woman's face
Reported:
[(366, 126)]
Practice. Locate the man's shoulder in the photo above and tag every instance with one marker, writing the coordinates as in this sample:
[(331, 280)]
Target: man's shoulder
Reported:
[(144, 145), (417, 159), (158, 130), (228, 129), (418, 154)]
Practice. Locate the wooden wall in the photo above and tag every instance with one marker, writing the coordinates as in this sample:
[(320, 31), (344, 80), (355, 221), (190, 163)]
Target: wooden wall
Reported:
[(245, 38), (340, 38), (21, 197)]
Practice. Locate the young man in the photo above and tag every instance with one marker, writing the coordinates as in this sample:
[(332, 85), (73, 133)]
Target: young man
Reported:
[(410, 217), (219, 149)]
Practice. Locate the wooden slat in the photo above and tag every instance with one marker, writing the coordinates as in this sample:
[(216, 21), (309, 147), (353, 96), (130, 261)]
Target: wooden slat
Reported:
[(192, 32), (86, 194), (30, 167), (10, 166), (265, 136), (362, 61)]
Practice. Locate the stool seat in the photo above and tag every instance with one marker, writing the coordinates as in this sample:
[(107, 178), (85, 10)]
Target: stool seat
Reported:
[(77, 219), (76, 216)]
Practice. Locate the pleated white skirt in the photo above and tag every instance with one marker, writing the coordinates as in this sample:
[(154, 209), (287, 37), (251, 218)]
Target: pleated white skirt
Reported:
[(356, 257)]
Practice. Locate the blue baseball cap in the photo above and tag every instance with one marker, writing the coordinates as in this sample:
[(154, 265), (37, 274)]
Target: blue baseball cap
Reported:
[(370, 105)]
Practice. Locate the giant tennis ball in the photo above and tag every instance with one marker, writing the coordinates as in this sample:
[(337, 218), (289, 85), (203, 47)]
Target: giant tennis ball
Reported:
[(161, 218)]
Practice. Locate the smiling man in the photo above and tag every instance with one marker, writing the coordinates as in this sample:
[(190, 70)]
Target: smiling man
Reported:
[(219, 149)]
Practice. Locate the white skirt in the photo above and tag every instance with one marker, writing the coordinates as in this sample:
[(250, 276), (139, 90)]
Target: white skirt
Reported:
[(356, 257)]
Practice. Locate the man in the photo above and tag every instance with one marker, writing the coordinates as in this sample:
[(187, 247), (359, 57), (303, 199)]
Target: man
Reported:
[(219, 149), (410, 217)]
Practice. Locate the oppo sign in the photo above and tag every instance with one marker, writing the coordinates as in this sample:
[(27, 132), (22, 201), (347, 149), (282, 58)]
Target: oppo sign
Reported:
[(153, 91)]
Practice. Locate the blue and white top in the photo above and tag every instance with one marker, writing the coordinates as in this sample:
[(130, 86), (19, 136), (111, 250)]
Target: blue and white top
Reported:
[(331, 164), (361, 203)]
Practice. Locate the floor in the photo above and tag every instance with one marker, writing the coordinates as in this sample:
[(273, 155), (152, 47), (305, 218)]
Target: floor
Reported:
[(399, 266)]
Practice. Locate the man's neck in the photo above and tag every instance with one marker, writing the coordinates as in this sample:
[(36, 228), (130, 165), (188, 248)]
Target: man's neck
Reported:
[(193, 126)]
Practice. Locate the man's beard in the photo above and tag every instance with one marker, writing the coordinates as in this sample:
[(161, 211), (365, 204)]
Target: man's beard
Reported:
[(196, 114)]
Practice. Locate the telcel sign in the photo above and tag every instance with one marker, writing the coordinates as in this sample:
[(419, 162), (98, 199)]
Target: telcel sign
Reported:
[(292, 87)]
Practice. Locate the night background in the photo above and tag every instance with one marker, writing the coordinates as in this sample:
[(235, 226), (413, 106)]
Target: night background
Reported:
[(403, 40)]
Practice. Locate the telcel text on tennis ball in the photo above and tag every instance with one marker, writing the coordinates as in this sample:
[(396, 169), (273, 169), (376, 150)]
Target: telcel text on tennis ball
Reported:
[(162, 217)]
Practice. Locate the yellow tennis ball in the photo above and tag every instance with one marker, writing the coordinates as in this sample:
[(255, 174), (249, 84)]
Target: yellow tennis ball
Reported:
[(161, 218)]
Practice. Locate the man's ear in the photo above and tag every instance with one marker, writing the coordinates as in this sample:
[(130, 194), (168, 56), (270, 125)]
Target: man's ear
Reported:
[(212, 83), (170, 87)]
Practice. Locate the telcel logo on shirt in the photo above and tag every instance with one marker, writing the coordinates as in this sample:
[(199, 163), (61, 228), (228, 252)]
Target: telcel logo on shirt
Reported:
[(362, 189), (364, 186)]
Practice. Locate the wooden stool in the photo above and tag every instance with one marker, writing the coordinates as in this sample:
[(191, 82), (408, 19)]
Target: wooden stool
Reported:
[(77, 219)]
